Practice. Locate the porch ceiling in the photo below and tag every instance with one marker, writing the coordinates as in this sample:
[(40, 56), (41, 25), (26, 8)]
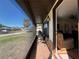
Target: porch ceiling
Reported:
[(36, 9)]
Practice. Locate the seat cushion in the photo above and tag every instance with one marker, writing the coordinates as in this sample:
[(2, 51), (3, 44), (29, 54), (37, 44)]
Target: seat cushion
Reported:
[(69, 43)]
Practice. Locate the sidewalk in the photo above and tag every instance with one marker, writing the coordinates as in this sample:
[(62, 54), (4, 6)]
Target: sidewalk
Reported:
[(40, 51)]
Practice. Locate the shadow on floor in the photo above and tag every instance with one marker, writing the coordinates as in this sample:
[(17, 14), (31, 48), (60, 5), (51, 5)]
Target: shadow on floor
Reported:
[(39, 50), (32, 51)]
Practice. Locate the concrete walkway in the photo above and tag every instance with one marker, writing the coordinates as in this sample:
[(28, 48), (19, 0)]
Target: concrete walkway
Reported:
[(40, 51)]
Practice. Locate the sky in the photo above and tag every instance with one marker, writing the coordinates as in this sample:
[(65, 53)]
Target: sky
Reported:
[(11, 14)]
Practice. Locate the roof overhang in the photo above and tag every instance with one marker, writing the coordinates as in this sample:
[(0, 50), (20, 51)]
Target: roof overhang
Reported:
[(37, 10)]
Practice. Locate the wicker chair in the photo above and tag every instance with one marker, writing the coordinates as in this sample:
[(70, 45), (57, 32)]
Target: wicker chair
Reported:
[(68, 43), (60, 40)]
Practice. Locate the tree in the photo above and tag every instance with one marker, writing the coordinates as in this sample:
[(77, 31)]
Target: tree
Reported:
[(1, 25), (26, 23)]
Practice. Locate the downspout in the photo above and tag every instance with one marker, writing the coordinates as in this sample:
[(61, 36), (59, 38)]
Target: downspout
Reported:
[(55, 27), (54, 40), (57, 3), (56, 20)]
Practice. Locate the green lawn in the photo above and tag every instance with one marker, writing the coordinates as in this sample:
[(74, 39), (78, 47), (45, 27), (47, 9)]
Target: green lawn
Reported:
[(15, 46), (11, 38)]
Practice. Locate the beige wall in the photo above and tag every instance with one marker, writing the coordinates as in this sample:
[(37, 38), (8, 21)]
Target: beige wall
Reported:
[(67, 7), (51, 26)]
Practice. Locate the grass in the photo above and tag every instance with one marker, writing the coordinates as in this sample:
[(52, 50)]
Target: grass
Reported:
[(14, 38), (10, 38), (5, 39)]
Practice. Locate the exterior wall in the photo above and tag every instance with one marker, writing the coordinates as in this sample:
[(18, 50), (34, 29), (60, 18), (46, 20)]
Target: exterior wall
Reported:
[(51, 26), (50, 39)]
